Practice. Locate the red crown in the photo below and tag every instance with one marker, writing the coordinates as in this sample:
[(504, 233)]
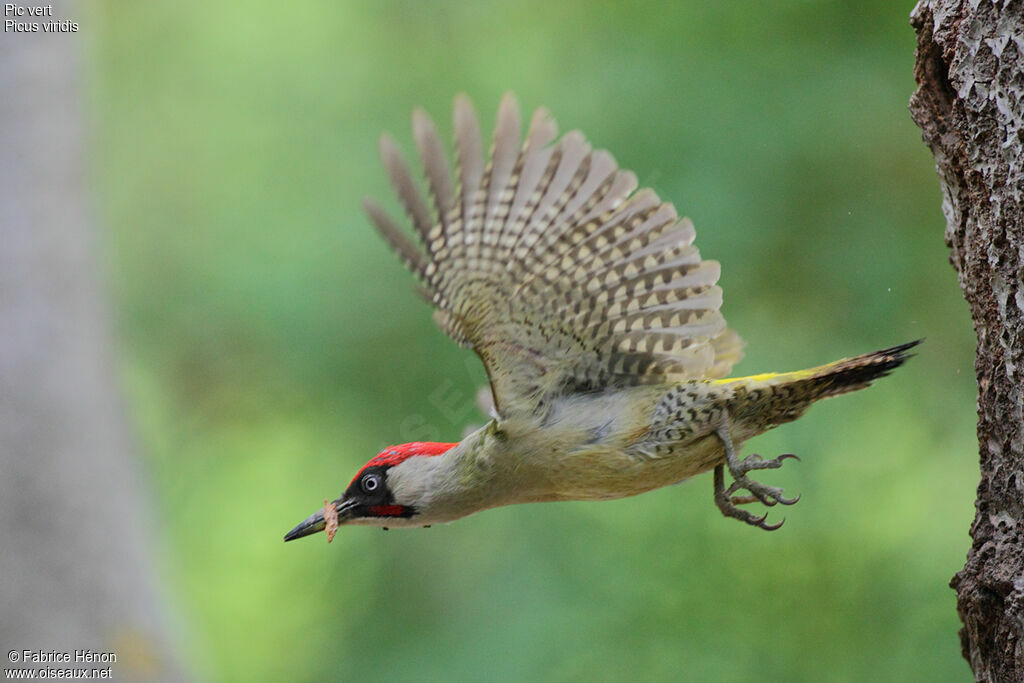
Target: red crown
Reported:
[(393, 455)]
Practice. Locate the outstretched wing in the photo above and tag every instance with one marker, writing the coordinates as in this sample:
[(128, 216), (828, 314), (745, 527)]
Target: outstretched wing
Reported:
[(550, 267)]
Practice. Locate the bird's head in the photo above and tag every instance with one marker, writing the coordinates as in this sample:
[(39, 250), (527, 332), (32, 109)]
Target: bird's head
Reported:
[(389, 490)]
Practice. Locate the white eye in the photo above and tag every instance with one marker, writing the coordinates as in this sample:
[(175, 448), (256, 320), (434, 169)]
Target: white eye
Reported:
[(370, 483)]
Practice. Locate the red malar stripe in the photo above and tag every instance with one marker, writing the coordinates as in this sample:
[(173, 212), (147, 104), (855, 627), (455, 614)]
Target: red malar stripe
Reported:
[(387, 510)]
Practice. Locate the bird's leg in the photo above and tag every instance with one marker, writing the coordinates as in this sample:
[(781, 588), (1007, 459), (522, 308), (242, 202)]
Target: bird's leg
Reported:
[(768, 495)]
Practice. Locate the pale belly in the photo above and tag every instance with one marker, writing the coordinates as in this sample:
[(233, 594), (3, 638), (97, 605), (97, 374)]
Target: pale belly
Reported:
[(600, 474), (583, 454)]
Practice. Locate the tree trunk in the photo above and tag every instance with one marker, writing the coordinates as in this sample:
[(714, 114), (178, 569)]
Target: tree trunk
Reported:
[(970, 75), (76, 568)]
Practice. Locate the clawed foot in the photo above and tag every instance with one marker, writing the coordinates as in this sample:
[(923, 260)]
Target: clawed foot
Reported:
[(760, 493), (757, 492)]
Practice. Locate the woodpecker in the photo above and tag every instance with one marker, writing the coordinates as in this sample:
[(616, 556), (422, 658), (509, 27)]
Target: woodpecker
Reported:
[(598, 324)]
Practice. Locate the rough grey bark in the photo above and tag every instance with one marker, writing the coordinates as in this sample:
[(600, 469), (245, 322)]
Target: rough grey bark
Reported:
[(970, 75), (75, 558)]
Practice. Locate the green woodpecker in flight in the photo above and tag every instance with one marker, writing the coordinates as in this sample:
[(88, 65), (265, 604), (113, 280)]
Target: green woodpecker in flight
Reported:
[(598, 324)]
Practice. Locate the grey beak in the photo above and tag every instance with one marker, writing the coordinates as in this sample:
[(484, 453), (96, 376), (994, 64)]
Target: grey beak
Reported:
[(315, 522)]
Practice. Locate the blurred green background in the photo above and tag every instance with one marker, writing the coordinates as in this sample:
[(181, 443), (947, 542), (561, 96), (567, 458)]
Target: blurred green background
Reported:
[(271, 344)]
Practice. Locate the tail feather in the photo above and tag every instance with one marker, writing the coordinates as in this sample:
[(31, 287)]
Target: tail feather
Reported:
[(764, 401), (851, 374)]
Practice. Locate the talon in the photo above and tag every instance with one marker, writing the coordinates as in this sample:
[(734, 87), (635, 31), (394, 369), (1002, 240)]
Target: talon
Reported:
[(756, 462), (769, 496)]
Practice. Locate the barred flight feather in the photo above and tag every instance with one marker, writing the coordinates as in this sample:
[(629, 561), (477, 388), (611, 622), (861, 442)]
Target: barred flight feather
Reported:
[(548, 262)]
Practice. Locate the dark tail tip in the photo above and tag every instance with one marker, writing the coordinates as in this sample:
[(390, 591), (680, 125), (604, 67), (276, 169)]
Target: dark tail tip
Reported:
[(857, 372), (887, 359), (892, 357), (900, 348)]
